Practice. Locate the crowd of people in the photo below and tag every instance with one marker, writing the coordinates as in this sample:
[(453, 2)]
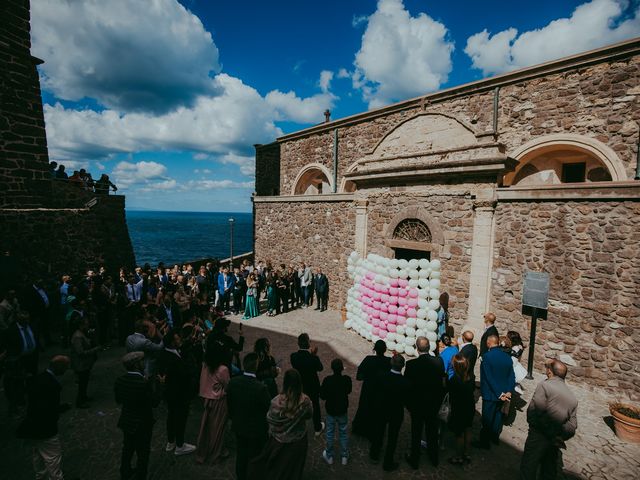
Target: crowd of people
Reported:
[(173, 324), (82, 179)]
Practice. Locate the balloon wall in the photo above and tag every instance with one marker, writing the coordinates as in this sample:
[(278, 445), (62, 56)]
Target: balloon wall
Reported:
[(393, 300)]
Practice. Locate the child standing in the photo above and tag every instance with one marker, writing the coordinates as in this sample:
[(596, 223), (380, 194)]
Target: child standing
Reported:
[(335, 391)]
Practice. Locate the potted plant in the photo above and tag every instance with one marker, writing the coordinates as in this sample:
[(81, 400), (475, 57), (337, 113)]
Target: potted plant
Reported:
[(626, 421)]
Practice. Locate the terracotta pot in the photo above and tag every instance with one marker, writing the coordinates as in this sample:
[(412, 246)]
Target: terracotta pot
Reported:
[(626, 428)]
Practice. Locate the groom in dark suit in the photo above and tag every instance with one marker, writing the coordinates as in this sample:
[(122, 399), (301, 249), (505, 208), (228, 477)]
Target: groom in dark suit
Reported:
[(248, 401), (497, 381), (308, 364), (321, 286), (426, 378)]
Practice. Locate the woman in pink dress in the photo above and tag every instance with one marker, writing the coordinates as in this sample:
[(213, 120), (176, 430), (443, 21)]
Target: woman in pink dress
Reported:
[(214, 379)]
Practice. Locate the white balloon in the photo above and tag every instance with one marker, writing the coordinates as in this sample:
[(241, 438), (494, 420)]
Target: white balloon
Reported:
[(422, 313), (434, 293), (413, 263), (433, 338), (434, 304), (421, 323), (394, 273), (434, 275), (391, 337), (410, 351), (404, 274), (400, 329), (347, 324), (423, 283), (423, 263), (400, 348), (402, 263), (422, 303), (432, 315), (410, 331), (374, 338), (431, 326), (434, 283), (420, 333), (435, 265), (413, 283), (394, 263), (424, 273), (424, 294), (368, 336), (411, 322), (413, 273), (409, 341), (391, 345)]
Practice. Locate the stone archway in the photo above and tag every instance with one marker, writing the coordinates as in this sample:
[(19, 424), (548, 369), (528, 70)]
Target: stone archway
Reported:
[(313, 179), (412, 230), (606, 165)]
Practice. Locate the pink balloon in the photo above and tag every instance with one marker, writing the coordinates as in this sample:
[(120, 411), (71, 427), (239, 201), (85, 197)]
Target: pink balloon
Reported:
[(370, 275), (376, 305), (413, 293), (384, 297), (393, 282), (401, 320), (391, 318), (376, 296), (370, 320), (402, 293), (384, 307), (384, 290), (411, 313), (412, 302), (393, 308), (393, 291), (393, 300), (403, 282), (402, 301), (375, 314), (375, 322), (391, 327), (375, 331), (402, 311), (384, 316), (382, 334)]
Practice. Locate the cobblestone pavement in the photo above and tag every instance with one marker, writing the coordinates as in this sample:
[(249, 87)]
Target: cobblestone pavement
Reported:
[(92, 442)]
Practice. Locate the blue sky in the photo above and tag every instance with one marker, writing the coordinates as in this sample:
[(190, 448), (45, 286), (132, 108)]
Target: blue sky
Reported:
[(168, 98)]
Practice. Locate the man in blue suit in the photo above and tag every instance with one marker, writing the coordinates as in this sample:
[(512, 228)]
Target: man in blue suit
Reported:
[(497, 381), (226, 282)]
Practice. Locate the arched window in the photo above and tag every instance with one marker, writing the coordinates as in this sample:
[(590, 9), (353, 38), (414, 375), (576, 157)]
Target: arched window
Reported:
[(412, 230), (312, 181), (558, 163)]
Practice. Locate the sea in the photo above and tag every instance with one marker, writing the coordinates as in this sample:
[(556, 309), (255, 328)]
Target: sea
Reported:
[(179, 237)]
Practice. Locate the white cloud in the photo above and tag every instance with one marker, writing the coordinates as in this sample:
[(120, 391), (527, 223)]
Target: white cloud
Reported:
[(401, 56), (591, 25), (288, 106), (132, 56), (126, 174), (212, 184), (325, 80), (343, 73), (247, 164)]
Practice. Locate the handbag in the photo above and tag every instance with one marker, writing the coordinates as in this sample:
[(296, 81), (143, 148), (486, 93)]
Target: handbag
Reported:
[(445, 409)]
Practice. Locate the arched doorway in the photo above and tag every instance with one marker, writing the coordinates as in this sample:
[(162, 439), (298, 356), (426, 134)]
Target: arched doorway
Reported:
[(412, 239), (312, 180)]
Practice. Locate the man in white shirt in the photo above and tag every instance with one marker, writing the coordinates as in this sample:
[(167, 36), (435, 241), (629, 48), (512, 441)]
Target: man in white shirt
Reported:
[(304, 273)]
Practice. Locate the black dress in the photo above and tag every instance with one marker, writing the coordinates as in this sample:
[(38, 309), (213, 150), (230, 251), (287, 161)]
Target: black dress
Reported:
[(368, 371), (462, 403)]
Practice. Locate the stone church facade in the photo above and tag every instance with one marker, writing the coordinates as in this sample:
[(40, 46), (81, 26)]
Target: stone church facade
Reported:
[(531, 170)]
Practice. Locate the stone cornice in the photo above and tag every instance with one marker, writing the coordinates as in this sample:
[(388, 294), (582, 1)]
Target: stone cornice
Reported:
[(617, 51), (331, 197), (572, 191)]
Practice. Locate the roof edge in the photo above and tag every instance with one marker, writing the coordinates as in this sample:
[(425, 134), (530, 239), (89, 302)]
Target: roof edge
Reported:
[(615, 51)]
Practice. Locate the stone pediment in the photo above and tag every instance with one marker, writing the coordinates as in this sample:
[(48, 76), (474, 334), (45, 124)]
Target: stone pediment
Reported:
[(430, 145)]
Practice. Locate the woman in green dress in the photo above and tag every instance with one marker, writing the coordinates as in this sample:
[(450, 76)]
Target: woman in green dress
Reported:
[(272, 293), (251, 303)]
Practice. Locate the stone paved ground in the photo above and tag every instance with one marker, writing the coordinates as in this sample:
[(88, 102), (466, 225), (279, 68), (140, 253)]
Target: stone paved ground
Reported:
[(92, 441)]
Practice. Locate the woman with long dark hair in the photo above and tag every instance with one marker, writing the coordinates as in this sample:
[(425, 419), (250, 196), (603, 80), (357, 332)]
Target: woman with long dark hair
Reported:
[(267, 370), (214, 379), (462, 403), (251, 302), (286, 452)]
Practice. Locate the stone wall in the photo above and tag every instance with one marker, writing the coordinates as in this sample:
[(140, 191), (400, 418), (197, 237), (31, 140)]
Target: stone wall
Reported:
[(23, 143), (453, 215), (268, 169), (49, 227), (320, 234), (591, 251)]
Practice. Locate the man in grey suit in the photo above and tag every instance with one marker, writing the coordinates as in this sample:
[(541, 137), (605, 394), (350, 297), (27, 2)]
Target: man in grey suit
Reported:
[(552, 421), (141, 341)]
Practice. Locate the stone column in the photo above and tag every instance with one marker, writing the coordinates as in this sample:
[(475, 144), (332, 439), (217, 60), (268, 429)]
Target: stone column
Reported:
[(481, 261), (361, 226)]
